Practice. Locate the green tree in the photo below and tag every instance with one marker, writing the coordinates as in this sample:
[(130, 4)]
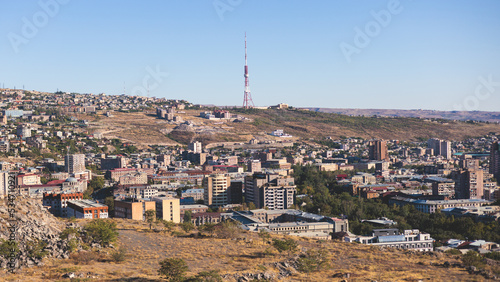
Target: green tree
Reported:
[(150, 216), (173, 269), (102, 231), (96, 183), (110, 202), (187, 216)]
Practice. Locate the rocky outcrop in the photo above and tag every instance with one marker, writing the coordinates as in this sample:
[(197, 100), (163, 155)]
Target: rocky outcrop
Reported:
[(37, 233)]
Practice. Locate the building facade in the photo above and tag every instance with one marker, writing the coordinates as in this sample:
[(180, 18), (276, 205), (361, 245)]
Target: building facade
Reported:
[(378, 150), (168, 208), (74, 163), (216, 190), (58, 203), (391, 238)]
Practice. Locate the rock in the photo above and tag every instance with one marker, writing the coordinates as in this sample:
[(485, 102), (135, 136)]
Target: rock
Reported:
[(69, 275)]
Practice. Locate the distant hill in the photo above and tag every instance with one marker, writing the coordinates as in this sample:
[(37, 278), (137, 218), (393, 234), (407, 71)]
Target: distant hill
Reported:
[(451, 115)]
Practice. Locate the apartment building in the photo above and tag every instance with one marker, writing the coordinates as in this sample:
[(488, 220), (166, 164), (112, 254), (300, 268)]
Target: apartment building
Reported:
[(133, 209), (74, 163), (216, 190), (168, 208), (58, 203)]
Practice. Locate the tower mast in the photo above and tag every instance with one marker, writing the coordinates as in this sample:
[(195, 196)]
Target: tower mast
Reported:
[(247, 97)]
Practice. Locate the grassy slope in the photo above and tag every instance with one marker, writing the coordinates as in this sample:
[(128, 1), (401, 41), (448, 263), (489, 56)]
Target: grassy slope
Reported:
[(146, 249)]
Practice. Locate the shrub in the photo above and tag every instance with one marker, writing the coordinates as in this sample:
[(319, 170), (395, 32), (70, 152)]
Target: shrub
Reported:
[(314, 260), (453, 252), (8, 248), (287, 245), (187, 226), (119, 255), (173, 269), (472, 258), (493, 255), (35, 249)]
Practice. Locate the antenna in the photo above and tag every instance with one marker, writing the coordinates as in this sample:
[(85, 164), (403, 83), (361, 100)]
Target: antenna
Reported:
[(247, 97), (124, 87)]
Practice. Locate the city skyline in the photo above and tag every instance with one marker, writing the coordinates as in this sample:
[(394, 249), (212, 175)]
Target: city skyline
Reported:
[(380, 54)]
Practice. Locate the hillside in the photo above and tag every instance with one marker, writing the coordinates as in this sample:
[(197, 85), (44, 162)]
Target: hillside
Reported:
[(246, 255), (145, 129), (451, 115)]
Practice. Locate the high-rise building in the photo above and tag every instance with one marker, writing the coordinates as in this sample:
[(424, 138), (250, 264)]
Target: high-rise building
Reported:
[(216, 189), (445, 149), (440, 147), (23, 131), (495, 160), (196, 147), (378, 150), (74, 163), (468, 184), (269, 190)]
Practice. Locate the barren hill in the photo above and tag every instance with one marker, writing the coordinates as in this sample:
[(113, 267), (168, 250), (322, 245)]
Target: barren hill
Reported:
[(145, 129)]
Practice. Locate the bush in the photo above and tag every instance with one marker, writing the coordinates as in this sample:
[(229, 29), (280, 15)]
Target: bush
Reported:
[(101, 231), (173, 269), (453, 252), (287, 245), (187, 226), (472, 258), (35, 249), (493, 255), (227, 229), (119, 255), (314, 260), (8, 248)]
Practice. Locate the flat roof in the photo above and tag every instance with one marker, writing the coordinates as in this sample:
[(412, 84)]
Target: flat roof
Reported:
[(87, 204)]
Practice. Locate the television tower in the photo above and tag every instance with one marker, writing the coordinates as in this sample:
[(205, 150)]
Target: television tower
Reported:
[(247, 97)]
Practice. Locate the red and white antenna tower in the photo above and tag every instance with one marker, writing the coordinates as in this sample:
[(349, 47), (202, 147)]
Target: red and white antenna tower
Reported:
[(247, 97)]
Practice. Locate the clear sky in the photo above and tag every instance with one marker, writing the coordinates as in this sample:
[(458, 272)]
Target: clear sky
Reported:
[(427, 54)]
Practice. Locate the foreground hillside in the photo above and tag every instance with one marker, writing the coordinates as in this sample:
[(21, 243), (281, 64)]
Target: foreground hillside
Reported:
[(143, 128), (243, 255)]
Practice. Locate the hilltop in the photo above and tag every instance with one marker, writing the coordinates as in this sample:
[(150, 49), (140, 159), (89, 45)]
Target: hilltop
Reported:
[(143, 128)]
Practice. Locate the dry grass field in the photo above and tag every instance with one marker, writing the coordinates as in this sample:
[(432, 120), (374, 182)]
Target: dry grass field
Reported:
[(230, 256)]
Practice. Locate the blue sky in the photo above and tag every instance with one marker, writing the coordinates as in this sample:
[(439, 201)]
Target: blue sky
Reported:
[(441, 55)]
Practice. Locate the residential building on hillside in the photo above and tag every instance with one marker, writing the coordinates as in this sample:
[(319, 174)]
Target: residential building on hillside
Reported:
[(391, 238)]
